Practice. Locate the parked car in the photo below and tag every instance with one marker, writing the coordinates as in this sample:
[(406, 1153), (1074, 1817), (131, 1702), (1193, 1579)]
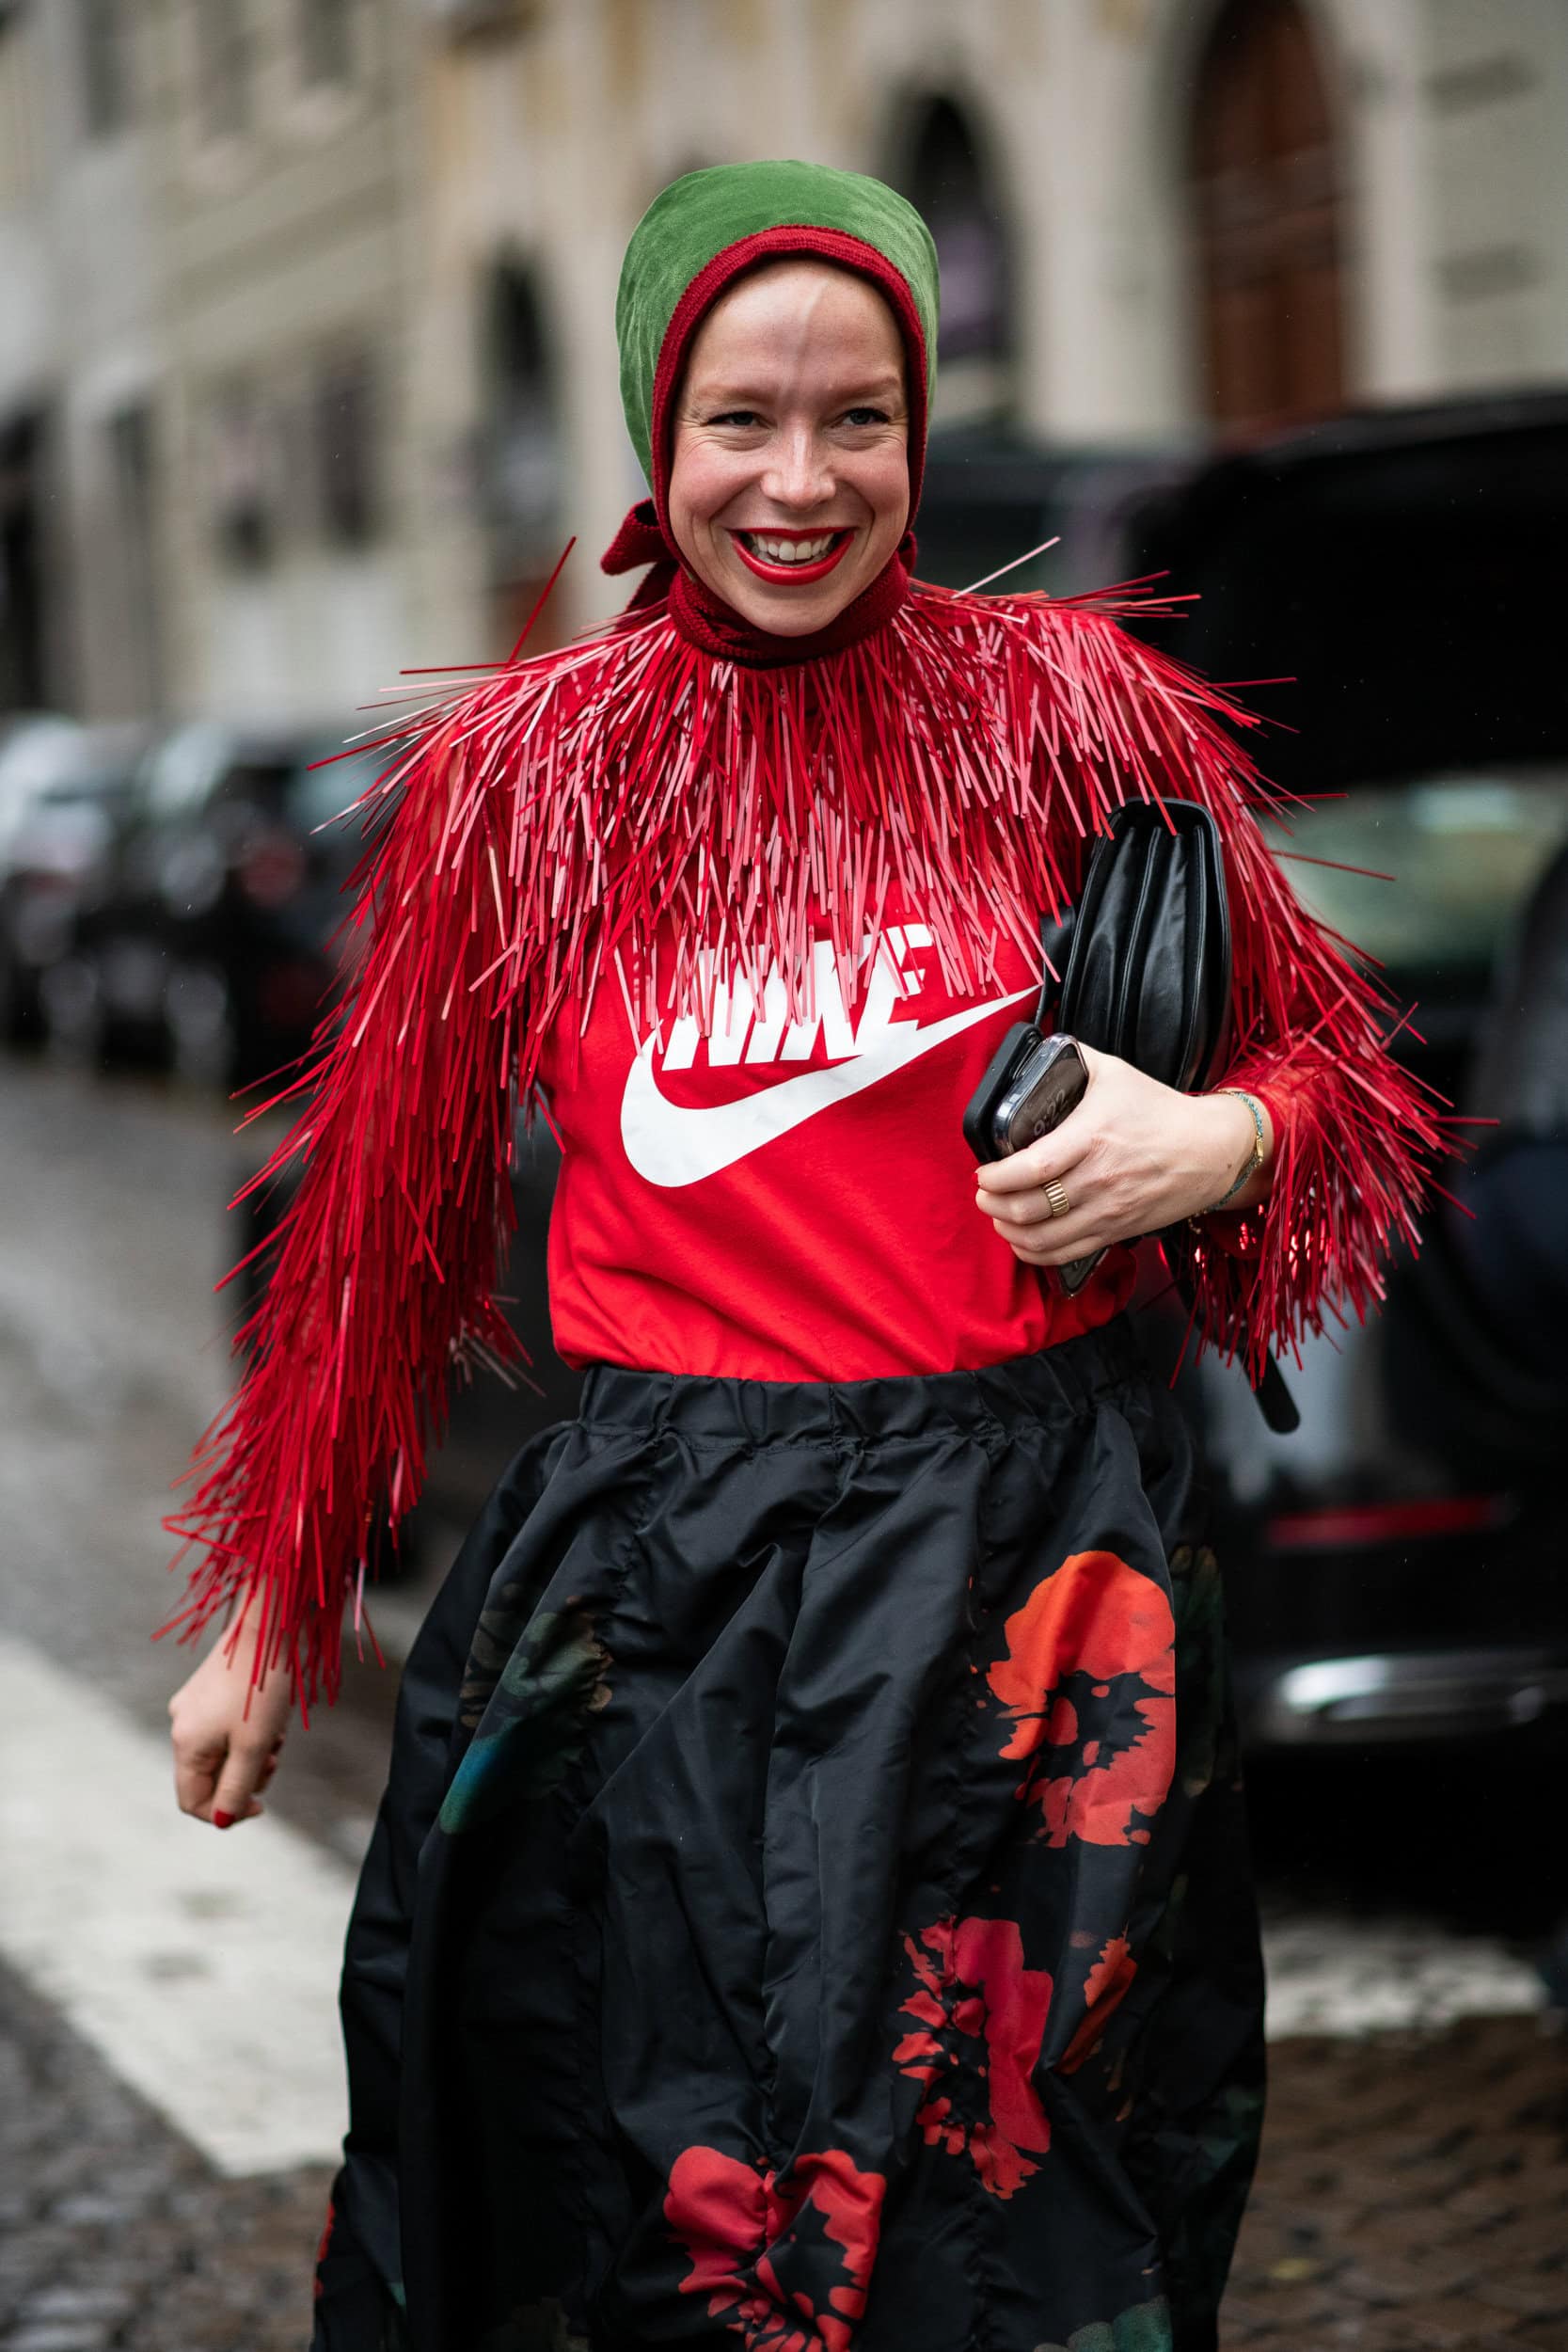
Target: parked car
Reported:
[(57, 848), (210, 942), (28, 738), (1401, 567), (990, 494), (31, 745)]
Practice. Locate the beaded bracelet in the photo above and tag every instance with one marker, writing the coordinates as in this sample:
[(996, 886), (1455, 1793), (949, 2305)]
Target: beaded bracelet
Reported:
[(1254, 1158)]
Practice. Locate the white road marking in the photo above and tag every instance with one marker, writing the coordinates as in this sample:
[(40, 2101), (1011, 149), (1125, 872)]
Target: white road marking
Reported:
[(202, 1965), (1331, 1973)]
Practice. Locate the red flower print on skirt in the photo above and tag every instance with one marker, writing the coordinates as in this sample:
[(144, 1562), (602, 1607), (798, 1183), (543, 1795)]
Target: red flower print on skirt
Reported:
[(981, 2021), (1106, 1988), (783, 2259), (1090, 1680)]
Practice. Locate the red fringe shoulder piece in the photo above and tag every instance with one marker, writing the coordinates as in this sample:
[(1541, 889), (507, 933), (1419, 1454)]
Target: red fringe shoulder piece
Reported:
[(548, 824)]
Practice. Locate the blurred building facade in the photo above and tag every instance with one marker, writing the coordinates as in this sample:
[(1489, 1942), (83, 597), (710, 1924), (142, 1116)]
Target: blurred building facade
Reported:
[(305, 306), (205, 273), (81, 323), (287, 180)]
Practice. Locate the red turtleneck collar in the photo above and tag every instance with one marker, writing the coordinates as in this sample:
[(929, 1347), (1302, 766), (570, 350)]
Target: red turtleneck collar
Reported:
[(707, 621)]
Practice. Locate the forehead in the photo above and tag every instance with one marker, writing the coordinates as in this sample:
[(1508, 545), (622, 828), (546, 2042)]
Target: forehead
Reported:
[(796, 310)]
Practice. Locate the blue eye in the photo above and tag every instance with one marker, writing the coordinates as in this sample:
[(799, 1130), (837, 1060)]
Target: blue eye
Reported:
[(865, 416)]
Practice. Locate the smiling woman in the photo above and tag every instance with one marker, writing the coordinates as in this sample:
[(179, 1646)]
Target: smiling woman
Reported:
[(728, 1965), (789, 482)]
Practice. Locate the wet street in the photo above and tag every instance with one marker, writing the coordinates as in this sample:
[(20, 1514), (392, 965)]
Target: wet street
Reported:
[(170, 2092)]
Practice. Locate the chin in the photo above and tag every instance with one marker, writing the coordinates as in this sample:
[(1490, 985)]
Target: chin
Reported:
[(785, 611), (791, 620)]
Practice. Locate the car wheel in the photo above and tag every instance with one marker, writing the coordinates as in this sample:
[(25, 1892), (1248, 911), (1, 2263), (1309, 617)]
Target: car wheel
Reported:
[(200, 1009)]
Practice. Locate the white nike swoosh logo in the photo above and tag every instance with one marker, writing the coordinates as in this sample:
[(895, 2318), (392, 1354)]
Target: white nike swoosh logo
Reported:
[(670, 1144)]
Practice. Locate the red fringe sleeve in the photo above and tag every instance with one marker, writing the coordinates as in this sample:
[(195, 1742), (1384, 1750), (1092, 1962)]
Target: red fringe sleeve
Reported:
[(1355, 1132), (387, 1257)]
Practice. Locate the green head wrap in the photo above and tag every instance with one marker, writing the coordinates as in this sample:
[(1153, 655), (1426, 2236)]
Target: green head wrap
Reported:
[(704, 229)]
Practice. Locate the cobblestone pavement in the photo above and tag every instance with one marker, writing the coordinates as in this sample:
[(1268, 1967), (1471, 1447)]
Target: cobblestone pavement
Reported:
[(1412, 2199), (115, 2233), (1414, 2193)]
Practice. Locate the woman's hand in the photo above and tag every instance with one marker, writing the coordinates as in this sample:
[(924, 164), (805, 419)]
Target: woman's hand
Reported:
[(1134, 1157), (224, 1752)]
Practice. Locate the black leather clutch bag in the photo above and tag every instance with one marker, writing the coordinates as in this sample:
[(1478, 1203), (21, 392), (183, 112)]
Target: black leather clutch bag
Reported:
[(1146, 970), (1145, 964)]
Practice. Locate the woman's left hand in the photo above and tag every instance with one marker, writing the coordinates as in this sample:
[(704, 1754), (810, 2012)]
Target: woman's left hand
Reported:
[(1132, 1158)]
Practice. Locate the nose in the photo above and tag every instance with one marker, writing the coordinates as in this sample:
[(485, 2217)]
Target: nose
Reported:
[(799, 474)]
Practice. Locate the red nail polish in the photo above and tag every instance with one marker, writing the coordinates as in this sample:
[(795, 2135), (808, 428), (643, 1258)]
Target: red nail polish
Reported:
[(222, 1820)]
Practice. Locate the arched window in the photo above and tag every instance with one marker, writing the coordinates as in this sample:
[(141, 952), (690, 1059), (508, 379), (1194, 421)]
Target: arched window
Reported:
[(1266, 213), (944, 174), (521, 442), (225, 64), (324, 33), (25, 582)]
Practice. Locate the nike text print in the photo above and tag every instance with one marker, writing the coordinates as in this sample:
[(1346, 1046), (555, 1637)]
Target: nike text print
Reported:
[(672, 1144)]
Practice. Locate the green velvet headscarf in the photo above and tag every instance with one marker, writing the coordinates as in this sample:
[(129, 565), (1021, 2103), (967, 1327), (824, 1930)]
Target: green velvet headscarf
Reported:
[(697, 218)]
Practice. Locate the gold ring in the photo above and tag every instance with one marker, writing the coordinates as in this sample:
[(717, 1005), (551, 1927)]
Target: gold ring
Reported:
[(1057, 1198)]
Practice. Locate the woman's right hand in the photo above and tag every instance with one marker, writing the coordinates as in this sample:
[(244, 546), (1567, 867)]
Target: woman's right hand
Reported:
[(224, 1754)]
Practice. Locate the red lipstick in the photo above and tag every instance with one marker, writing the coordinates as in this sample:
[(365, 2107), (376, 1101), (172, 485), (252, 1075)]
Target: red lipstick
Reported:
[(791, 575)]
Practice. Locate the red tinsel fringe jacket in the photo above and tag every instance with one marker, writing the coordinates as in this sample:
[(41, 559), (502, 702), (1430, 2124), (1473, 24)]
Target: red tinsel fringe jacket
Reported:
[(571, 821)]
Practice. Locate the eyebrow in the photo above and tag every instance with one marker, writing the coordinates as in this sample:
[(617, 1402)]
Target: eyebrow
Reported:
[(850, 394)]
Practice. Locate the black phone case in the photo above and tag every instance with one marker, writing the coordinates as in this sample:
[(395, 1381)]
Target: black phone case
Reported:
[(1019, 1041)]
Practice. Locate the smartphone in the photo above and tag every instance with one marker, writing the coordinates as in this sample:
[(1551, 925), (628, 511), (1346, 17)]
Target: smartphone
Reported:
[(1033, 1083)]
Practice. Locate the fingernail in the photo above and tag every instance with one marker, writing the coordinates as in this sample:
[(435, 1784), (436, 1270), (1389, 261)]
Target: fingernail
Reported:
[(222, 1820)]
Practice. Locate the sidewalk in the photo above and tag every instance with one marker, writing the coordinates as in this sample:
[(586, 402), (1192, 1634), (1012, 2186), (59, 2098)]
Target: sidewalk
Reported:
[(1413, 2194)]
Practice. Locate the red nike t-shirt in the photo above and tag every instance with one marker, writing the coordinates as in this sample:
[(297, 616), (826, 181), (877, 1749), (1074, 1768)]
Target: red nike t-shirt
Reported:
[(795, 1201)]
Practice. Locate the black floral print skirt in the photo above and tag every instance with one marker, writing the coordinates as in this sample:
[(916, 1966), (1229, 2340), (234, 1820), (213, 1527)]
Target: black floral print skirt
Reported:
[(810, 1908)]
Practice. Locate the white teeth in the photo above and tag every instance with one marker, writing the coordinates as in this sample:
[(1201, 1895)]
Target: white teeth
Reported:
[(789, 550)]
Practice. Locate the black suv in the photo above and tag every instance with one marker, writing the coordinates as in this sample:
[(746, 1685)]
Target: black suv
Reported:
[(1401, 569)]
